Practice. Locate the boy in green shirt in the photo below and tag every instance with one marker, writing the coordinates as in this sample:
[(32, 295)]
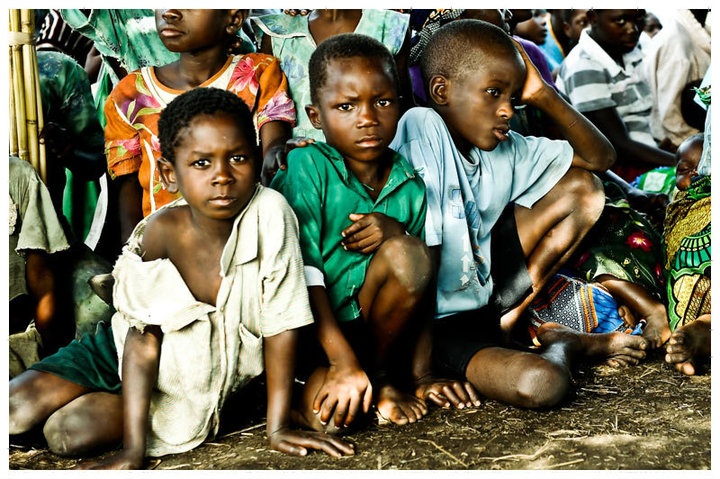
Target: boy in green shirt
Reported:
[(361, 210)]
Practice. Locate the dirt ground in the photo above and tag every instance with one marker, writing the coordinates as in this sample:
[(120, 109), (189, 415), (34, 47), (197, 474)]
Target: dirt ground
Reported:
[(648, 417)]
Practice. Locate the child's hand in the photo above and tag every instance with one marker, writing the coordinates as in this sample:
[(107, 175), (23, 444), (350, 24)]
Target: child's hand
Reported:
[(276, 158), (346, 391), (446, 392), (534, 82), (297, 443), (368, 232)]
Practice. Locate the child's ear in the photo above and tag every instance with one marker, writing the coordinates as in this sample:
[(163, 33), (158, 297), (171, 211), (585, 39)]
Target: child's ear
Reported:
[(237, 17), (314, 115), (166, 170), (438, 89)]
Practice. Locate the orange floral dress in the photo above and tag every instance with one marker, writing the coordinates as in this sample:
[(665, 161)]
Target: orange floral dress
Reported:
[(133, 110)]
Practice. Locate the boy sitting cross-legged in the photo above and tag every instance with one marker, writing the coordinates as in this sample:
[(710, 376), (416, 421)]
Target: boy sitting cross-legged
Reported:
[(536, 198)]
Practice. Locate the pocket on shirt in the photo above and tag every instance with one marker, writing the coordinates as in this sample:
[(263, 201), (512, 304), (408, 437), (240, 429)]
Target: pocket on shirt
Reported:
[(251, 361)]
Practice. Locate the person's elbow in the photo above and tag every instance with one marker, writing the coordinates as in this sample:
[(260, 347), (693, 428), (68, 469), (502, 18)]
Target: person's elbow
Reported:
[(602, 157)]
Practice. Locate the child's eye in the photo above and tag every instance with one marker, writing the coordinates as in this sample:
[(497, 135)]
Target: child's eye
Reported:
[(494, 92), (384, 102), (344, 107), (201, 163), (239, 158)]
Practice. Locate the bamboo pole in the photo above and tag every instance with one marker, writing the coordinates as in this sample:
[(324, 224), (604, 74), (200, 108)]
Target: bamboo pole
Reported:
[(25, 94)]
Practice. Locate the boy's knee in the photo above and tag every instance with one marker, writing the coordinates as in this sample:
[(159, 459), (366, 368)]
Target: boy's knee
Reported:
[(408, 258), (585, 191), (20, 420), (543, 387), (63, 435)]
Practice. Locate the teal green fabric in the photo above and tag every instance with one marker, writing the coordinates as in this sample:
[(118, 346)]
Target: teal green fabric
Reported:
[(91, 362), (323, 192)]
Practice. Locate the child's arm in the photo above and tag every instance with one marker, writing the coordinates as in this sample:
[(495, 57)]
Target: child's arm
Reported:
[(273, 136), (129, 204), (347, 387), (279, 367), (141, 358), (278, 160), (592, 149)]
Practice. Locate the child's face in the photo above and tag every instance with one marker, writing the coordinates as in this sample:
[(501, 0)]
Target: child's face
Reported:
[(617, 31), (688, 158), (577, 24), (357, 108), (534, 29), (186, 30), (477, 107), (214, 167)]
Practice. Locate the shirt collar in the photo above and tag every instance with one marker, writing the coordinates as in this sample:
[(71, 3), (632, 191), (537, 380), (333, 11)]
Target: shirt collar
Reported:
[(601, 56), (401, 170)]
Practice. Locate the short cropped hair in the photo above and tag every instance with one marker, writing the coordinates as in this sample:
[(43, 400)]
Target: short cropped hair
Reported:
[(463, 45), (182, 110), (347, 45)]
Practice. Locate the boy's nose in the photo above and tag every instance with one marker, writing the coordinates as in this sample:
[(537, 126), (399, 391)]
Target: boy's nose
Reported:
[(222, 174), (171, 14), (506, 110), (367, 116)]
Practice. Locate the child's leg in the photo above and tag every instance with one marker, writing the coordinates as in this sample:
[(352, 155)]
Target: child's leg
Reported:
[(394, 287), (689, 346), (554, 227), (75, 422), (644, 305), (522, 378), (92, 422), (35, 395)]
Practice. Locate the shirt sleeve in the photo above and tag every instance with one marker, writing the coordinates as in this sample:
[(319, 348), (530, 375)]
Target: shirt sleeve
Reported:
[(302, 185), (419, 140), (539, 165), (272, 98), (285, 302), (122, 140)]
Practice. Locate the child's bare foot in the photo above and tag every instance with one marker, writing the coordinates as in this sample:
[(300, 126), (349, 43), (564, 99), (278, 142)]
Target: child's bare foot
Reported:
[(689, 346), (617, 348), (399, 407), (657, 331)]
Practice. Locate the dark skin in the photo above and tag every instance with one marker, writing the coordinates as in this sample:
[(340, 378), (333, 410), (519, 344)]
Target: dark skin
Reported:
[(214, 158), (203, 53), (642, 306), (617, 32), (548, 233), (689, 347), (54, 330), (359, 101)]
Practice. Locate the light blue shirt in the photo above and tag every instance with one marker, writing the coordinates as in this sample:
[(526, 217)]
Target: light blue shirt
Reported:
[(465, 197)]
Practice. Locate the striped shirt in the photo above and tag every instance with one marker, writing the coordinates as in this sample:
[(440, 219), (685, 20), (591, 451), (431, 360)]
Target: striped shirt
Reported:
[(594, 81)]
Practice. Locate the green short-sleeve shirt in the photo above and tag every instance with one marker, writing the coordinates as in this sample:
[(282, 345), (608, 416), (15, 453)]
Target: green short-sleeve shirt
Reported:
[(323, 193)]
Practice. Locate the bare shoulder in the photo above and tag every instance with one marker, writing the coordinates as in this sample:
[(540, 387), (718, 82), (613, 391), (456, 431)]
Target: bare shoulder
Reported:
[(161, 230)]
